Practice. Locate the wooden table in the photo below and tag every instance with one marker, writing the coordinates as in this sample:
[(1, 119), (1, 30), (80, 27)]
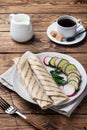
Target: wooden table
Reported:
[(42, 13)]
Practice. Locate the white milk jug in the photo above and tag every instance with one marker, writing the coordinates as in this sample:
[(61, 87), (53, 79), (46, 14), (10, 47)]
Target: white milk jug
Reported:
[(20, 27)]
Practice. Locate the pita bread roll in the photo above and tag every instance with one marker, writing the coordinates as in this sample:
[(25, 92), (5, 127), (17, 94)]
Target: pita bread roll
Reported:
[(30, 83), (46, 80)]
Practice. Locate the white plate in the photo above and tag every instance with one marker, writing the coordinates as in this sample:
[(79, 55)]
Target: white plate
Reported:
[(24, 94), (53, 27)]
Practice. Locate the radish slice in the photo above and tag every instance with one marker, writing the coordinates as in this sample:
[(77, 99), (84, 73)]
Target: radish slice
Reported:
[(46, 60), (64, 66), (69, 90), (76, 71), (57, 61)]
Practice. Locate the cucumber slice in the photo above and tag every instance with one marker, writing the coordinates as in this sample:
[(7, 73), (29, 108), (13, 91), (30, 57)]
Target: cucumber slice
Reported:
[(64, 66), (52, 61), (69, 67), (75, 84), (74, 74), (74, 78), (61, 63)]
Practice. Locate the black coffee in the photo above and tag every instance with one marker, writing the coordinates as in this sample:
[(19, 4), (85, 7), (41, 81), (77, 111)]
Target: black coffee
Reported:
[(66, 22)]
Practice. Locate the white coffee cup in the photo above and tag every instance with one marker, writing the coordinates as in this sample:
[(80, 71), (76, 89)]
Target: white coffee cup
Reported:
[(20, 27), (67, 25)]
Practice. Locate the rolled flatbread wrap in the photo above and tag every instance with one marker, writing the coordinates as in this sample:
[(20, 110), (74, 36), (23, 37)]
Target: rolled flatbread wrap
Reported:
[(30, 83), (46, 80)]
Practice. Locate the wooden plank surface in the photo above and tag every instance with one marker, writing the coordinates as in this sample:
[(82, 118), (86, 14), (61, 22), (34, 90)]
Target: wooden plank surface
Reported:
[(40, 21), (47, 8), (39, 43), (9, 2), (42, 13)]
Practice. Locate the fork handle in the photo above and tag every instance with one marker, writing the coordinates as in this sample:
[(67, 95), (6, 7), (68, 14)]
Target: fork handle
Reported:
[(30, 121), (36, 125)]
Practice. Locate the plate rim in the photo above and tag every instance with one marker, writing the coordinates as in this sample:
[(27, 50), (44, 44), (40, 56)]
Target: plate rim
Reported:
[(54, 53), (64, 43)]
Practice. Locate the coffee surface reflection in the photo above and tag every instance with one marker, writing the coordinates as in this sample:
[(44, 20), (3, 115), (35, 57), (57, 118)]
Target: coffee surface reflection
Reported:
[(66, 22)]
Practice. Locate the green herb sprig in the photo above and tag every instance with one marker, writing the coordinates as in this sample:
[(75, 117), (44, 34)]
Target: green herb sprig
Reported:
[(57, 78)]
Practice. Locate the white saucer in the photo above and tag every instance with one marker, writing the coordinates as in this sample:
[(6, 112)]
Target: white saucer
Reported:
[(53, 27)]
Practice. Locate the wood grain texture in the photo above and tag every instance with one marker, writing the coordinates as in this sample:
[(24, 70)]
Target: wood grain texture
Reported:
[(81, 1), (22, 2), (42, 13), (40, 21), (39, 43), (56, 122), (9, 2), (44, 8)]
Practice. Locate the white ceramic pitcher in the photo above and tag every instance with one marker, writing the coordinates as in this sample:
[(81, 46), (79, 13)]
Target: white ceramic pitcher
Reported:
[(20, 27)]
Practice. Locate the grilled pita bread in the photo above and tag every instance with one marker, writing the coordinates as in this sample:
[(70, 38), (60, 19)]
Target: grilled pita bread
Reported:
[(30, 83), (46, 80)]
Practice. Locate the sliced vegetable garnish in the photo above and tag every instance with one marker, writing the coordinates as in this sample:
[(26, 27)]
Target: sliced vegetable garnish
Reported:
[(52, 61), (74, 83), (69, 90), (64, 67), (46, 60), (57, 61), (62, 62)]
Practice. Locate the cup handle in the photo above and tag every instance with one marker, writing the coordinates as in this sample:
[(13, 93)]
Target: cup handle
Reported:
[(11, 15), (79, 22)]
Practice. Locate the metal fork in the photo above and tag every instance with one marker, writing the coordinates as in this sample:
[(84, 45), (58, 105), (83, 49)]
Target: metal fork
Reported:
[(13, 110)]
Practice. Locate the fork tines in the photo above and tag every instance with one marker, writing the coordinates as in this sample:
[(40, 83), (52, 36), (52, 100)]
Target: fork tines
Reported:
[(3, 104)]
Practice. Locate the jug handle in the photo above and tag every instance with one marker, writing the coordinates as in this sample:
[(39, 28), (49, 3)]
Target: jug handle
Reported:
[(11, 15)]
